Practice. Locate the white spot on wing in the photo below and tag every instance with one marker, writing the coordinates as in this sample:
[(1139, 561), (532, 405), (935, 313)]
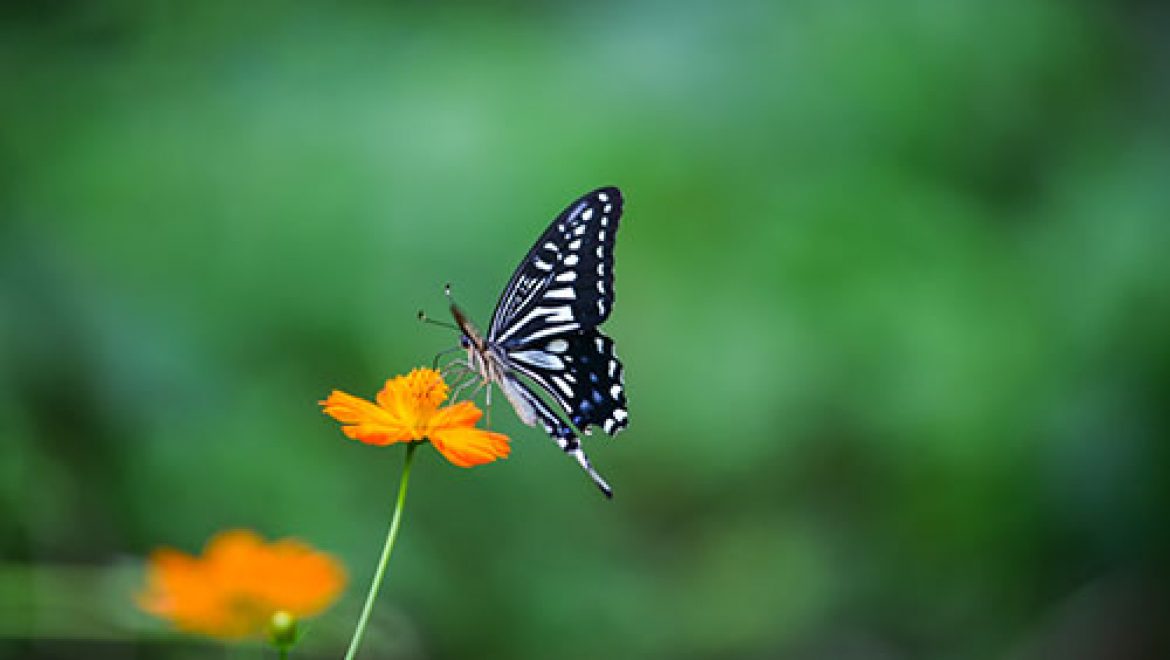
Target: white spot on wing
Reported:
[(621, 415), (566, 293), (558, 346), (558, 314), (600, 344), (587, 215), (575, 245), (555, 330), (615, 391), (562, 385), (567, 276), (602, 197), (563, 314), (571, 260), (538, 359)]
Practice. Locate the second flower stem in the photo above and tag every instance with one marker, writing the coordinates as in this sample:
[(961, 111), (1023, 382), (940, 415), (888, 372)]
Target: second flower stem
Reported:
[(380, 573)]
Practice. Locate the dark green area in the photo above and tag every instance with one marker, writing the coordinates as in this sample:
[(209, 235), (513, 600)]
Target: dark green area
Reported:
[(893, 295)]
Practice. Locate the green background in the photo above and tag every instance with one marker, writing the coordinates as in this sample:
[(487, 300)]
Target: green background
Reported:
[(893, 297)]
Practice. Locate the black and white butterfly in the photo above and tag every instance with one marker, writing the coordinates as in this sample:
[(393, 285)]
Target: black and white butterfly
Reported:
[(544, 335)]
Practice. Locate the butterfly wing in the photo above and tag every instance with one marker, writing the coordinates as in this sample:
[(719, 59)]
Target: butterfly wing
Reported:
[(545, 327), (581, 373), (565, 282), (556, 428)]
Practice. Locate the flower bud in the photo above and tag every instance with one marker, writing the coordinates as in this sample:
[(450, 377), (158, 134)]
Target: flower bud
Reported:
[(283, 630)]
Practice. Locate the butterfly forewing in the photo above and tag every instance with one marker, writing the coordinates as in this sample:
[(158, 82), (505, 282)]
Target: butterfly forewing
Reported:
[(566, 280)]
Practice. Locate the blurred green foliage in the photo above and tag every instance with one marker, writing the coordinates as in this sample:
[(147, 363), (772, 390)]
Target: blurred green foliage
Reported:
[(892, 296)]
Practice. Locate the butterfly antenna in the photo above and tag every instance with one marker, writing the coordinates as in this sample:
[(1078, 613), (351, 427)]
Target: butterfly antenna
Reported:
[(422, 316), (447, 292)]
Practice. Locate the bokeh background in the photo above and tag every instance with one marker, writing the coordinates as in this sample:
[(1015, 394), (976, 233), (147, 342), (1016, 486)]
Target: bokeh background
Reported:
[(892, 293)]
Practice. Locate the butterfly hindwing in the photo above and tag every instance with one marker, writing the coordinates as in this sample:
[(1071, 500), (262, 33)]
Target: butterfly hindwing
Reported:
[(559, 431), (582, 374)]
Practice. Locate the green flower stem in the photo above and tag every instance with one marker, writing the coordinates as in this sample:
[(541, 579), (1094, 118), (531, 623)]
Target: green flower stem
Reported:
[(386, 550)]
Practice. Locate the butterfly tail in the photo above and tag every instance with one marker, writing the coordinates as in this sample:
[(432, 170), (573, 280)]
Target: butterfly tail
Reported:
[(532, 409), (572, 447)]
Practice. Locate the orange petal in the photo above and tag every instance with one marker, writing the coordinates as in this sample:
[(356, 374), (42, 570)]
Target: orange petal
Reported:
[(304, 582), (233, 590), (464, 413), (169, 574), (366, 421), (181, 589), (468, 447)]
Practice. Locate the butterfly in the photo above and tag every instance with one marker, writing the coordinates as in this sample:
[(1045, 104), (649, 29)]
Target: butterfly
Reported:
[(544, 332)]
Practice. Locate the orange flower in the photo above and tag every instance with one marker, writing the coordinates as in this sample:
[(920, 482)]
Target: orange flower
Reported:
[(408, 410), (239, 584)]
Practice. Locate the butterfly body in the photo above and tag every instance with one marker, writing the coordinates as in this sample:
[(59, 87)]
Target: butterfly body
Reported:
[(544, 332), (490, 364)]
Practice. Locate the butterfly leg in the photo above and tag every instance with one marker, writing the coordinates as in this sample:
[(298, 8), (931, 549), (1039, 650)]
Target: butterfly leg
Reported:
[(448, 351), (460, 374), (456, 366), (480, 383), (466, 380)]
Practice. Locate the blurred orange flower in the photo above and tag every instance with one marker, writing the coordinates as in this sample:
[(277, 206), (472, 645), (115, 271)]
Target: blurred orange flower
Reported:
[(239, 584), (408, 410)]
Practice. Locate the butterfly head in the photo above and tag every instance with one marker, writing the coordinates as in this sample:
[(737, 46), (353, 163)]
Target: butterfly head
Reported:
[(469, 336)]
